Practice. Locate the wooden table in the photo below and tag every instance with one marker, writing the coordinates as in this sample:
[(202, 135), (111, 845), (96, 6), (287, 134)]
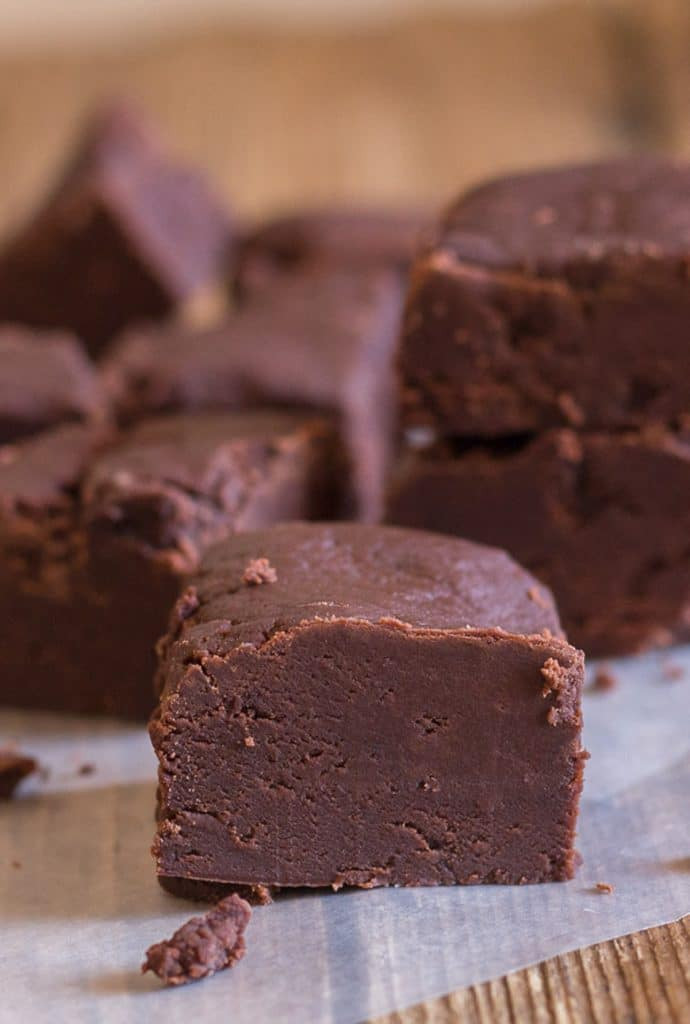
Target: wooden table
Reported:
[(404, 113)]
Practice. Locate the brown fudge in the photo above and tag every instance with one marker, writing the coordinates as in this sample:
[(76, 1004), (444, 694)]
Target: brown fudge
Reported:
[(339, 237), (554, 298), (97, 535), (14, 768), (325, 340), (394, 709), (202, 946), (45, 379), (603, 519), (125, 235)]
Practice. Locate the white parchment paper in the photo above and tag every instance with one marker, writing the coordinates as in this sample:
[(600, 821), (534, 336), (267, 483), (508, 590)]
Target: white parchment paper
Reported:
[(79, 903)]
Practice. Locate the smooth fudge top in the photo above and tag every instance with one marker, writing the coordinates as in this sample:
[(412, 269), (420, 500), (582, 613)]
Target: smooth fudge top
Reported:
[(163, 477), (540, 222), (342, 236), (256, 584), (46, 379), (322, 340)]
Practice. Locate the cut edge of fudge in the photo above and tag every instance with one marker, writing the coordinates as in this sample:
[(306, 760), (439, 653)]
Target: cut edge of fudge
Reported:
[(602, 502), (226, 678)]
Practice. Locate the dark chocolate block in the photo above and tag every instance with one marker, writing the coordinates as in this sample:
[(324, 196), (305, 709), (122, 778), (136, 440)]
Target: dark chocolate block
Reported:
[(555, 298), (97, 535), (396, 708), (125, 235), (45, 379), (340, 238), (325, 340), (603, 519)]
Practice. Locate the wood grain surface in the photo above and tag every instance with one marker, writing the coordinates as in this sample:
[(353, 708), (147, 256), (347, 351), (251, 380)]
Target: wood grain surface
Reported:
[(642, 978), (407, 112)]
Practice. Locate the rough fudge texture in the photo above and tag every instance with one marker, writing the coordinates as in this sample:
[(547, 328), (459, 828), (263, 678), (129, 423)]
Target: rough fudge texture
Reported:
[(45, 379), (395, 709), (603, 519), (341, 237), (325, 340), (97, 535), (203, 945), (125, 235), (13, 768), (558, 298)]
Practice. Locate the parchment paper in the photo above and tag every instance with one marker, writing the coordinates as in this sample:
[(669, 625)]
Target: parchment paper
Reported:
[(81, 904)]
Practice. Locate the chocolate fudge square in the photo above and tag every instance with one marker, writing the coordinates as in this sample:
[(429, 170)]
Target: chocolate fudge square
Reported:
[(556, 298), (392, 708), (325, 340), (97, 535), (45, 379), (603, 519), (125, 235), (340, 237)]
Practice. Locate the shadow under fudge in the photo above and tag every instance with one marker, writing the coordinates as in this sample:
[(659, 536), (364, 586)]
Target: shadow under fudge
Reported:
[(97, 534), (390, 707)]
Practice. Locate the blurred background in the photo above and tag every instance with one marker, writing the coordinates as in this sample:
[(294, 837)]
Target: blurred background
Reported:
[(293, 101)]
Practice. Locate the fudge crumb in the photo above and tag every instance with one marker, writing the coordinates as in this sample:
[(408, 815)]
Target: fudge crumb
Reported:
[(571, 410), (259, 570), (249, 741), (555, 676), (672, 671), (545, 215), (569, 446), (535, 594), (605, 679), (14, 768), (604, 887), (203, 945), (86, 769)]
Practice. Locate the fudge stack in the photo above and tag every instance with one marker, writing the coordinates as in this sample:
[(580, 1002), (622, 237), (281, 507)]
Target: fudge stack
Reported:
[(545, 367)]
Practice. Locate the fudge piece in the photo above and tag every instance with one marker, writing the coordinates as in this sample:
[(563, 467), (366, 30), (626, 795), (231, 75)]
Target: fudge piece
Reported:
[(46, 379), (603, 519), (339, 237), (394, 709), (97, 535), (558, 298), (126, 234), (13, 769), (325, 340), (203, 945)]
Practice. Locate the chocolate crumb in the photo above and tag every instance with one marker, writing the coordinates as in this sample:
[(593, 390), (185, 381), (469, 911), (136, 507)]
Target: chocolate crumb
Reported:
[(604, 679), (203, 945), (86, 769), (604, 887), (535, 594), (672, 670), (258, 571), (249, 741), (14, 768)]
